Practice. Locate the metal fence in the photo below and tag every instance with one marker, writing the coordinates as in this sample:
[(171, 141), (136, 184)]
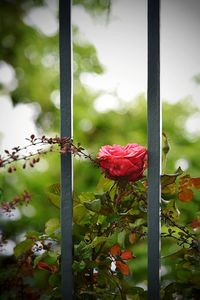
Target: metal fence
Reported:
[(154, 149)]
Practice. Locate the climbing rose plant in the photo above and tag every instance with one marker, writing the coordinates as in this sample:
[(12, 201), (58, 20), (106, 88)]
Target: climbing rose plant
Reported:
[(108, 224)]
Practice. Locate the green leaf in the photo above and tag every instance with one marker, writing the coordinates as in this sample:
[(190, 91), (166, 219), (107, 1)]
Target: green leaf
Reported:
[(171, 210), (51, 257), (87, 196), (54, 189), (79, 266), (54, 280), (81, 214), (23, 247), (104, 184), (98, 240), (169, 180), (121, 237), (1, 193), (178, 254), (183, 274), (94, 205), (106, 203), (52, 225), (53, 193), (37, 260), (32, 234), (169, 189)]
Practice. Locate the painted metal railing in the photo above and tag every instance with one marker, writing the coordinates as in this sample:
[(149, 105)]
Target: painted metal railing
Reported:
[(66, 161), (154, 149)]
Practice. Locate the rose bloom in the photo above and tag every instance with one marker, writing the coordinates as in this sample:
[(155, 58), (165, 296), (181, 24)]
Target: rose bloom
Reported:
[(126, 162)]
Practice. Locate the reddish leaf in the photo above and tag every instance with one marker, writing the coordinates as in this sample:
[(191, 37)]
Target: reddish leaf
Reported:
[(115, 250), (195, 223), (185, 182), (122, 267), (126, 255), (43, 266), (195, 182), (185, 195)]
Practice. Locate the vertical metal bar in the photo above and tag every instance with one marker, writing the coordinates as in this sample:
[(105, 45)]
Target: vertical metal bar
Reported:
[(66, 161), (154, 149)]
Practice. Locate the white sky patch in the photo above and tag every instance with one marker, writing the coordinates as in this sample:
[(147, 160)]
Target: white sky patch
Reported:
[(122, 48), (99, 82), (192, 125), (117, 47), (43, 166), (106, 102), (85, 125), (55, 98), (16, 123), (28, 211), (49, 60), (183, 163), (8, 76), (43, 19)]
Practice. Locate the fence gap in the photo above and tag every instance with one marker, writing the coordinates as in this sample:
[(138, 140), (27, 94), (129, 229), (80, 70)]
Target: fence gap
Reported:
[(154, 149), (66, 161)]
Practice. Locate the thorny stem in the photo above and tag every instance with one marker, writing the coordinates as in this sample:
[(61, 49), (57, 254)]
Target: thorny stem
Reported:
[(65, 145), (187, 233)]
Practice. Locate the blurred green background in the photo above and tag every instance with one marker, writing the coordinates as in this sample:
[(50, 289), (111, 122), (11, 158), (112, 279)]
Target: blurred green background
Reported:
[(34, 58)]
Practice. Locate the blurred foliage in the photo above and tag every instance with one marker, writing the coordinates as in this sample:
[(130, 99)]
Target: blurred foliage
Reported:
[(35, 61)]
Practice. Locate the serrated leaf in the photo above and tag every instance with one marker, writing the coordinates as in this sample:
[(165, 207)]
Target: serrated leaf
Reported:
[(52, 225), (23, 247), (94, 205)]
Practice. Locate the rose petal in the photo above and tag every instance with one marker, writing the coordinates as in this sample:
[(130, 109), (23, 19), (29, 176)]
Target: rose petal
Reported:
[(123, 161)]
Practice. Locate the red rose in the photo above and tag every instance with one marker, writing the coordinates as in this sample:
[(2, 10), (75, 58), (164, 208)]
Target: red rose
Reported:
[(123, 161)]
